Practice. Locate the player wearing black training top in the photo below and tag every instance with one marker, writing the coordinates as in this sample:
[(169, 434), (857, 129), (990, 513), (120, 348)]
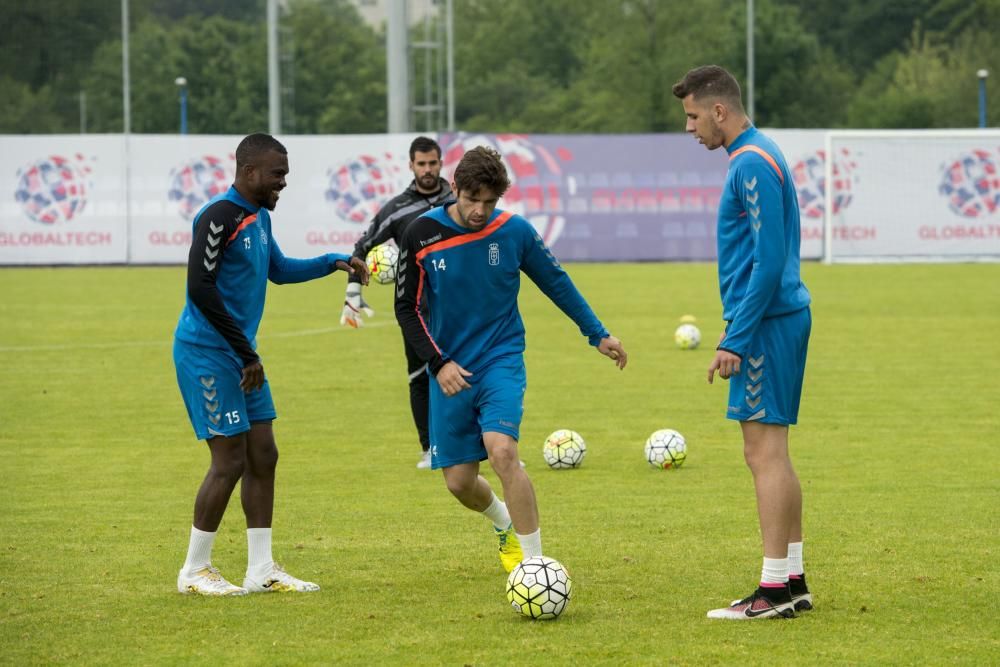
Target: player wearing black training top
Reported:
[(428, 190)]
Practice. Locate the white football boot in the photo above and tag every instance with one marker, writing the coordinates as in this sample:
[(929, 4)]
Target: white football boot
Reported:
[(276, 580), (206, 581)]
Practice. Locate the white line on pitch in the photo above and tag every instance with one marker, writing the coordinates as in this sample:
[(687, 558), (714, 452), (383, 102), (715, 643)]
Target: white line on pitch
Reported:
[(167, 342)]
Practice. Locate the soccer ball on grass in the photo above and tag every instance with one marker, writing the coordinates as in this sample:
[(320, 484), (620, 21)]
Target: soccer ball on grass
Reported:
[(687, 336), (666, 449), (381, 262), (564, 449), (539, 588)]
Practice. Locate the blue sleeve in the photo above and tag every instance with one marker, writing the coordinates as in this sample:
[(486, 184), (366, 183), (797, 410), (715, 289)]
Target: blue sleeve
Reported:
[(759, 190), (283, 270), (543, 268)]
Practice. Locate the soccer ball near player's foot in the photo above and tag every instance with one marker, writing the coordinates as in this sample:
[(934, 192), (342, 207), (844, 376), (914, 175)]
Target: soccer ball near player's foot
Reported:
[(564, 449), (381, 262), (539, 588), (666, 449), (687, 336)]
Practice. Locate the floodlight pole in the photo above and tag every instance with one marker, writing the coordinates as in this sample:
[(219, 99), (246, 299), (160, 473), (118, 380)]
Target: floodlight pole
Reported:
[(182, 84), (273, 74), (126, 79), (982, 74), (450, 30), (397, 67)]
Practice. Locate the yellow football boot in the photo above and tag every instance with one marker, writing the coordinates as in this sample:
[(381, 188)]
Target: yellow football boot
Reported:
[(510, 548)]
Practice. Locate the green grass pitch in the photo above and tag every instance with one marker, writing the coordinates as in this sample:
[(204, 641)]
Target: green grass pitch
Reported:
[(897, 451)]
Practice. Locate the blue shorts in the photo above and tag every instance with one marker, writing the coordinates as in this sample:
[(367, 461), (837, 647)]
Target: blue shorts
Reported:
[(495, 403), (210, 384), (769, 385)]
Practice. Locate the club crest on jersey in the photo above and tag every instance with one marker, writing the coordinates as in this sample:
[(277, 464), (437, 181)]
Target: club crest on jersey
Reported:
[(263, 236), (494, 254)]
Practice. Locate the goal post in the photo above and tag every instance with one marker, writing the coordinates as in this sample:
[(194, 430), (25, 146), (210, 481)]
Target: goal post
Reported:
[(911, 196)]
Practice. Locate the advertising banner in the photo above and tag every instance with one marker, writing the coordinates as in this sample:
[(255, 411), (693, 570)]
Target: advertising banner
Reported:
[(610, 197), (92, 199), (63, 200), (928, 195)]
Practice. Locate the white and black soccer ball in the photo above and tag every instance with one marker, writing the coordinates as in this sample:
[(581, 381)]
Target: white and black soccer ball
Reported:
[(666, 449), (687, 336), (381, 262), (564, 449), (539, 588)]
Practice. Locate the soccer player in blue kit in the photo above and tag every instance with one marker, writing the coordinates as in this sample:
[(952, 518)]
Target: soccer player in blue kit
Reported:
[(763, 349), (233, 255), (457, 283)]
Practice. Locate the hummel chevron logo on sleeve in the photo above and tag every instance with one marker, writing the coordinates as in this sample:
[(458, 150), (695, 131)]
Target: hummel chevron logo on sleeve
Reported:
[(751, 184), (213, 241)]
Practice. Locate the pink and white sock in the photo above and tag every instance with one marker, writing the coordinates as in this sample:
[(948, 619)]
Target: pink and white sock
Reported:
[(774, 573)]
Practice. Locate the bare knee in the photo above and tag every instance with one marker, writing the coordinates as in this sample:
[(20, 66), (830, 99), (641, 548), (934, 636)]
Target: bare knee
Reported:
[(262, 451), (459, 486), (228, 470), (262, 461)]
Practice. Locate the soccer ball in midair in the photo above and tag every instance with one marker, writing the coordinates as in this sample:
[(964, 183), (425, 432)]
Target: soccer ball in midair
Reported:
[(687, 336), (539, 588), (666, 449), (564, 449), (381, 262)]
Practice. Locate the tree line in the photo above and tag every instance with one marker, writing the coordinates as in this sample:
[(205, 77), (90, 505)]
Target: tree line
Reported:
[(558, 66)]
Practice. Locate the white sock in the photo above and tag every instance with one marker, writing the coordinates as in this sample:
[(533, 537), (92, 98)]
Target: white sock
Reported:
[(199, 553), (775, 571), (258, 549), (795, 558), (531, 545), (497, 513)]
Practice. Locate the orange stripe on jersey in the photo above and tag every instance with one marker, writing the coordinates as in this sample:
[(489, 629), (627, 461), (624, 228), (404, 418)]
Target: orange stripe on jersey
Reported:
[(420, 316), (246, 221), (467, 238), (764, 154)]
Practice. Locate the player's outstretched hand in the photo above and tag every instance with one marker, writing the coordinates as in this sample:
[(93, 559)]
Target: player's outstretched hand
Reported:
[(356, 267), (727, 363), (253, 377), (612, 347), (451, 378), (354, 306)]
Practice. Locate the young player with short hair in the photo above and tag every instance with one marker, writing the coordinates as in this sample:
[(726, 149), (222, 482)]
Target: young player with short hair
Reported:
[(763, 350), (456, 299)]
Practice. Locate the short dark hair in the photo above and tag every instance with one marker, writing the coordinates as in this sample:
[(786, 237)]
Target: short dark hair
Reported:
[(424, 145), (255, 145), (481, 168), (710, 81)]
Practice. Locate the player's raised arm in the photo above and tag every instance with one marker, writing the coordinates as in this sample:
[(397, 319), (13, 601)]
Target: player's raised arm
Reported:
[(545, 271), (284, 270)]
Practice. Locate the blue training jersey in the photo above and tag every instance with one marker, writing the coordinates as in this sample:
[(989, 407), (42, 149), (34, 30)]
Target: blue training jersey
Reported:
[(456, 289), (758, 240), (233, 255)]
